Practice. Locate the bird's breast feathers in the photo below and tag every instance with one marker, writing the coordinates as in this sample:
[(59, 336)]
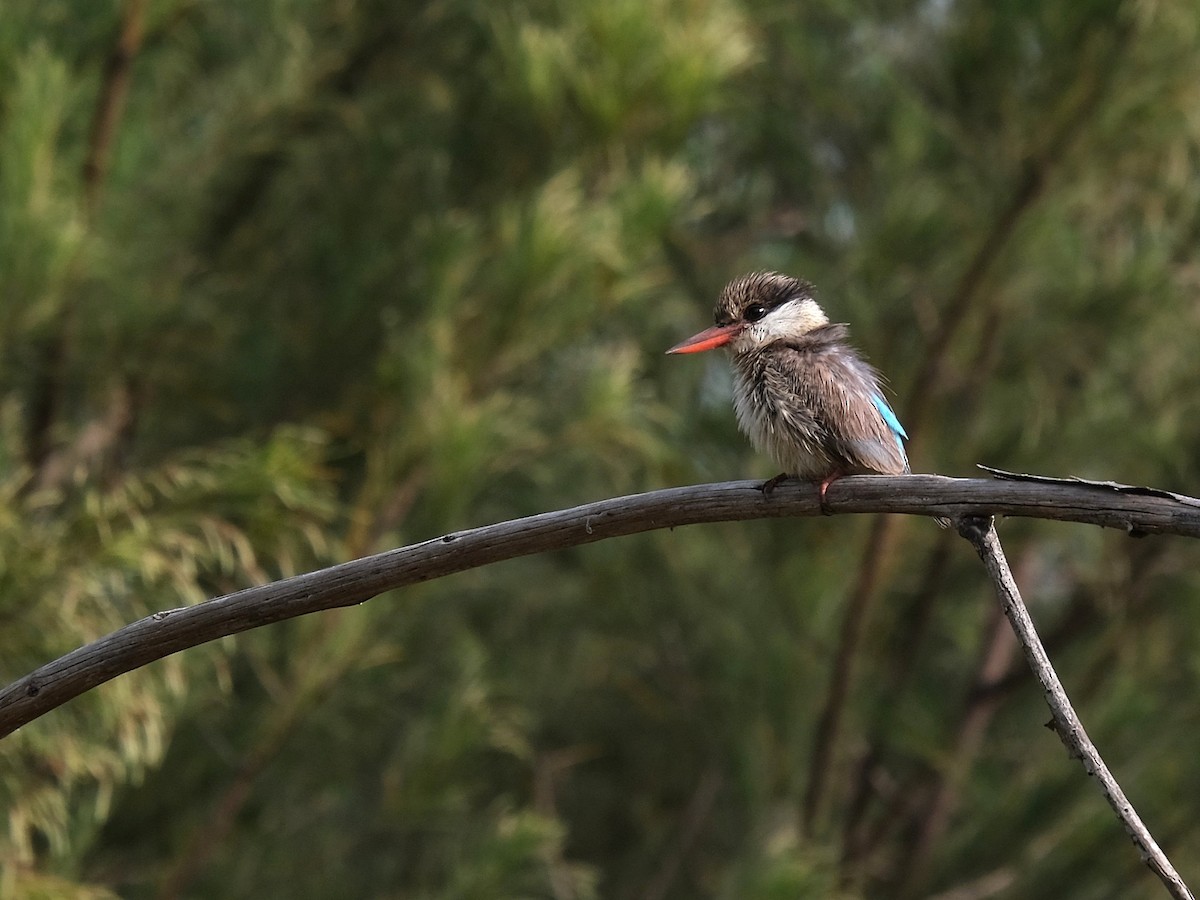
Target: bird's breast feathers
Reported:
[(816, 408)]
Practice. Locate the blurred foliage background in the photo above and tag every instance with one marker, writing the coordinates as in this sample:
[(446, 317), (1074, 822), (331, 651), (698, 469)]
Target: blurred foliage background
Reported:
[(289, 282)]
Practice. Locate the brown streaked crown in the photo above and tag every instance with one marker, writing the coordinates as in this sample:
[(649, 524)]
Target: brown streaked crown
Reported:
[(766, 289)]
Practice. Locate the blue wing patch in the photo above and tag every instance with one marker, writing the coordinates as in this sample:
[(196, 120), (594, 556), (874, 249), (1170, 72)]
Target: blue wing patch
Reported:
[(889, 417)]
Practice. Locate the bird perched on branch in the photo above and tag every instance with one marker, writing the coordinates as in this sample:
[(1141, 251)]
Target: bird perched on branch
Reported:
[(802, 394)]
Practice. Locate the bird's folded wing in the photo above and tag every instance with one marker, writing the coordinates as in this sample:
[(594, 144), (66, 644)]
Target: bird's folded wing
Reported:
[(844, 395)]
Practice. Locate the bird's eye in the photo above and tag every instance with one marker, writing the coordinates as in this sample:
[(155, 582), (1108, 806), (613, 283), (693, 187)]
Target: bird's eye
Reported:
[(754, 312)]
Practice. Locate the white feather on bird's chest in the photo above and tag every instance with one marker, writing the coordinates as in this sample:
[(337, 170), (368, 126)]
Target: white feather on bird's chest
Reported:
[(784, 431)]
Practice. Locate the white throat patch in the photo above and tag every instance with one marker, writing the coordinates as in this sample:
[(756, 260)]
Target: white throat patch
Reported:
[(788, 320)]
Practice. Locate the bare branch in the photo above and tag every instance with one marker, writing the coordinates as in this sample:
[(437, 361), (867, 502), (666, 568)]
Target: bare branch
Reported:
[(981, 532), (170, 631)]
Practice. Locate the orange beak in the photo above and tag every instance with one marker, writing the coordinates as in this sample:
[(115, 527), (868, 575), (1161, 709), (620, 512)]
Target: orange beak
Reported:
[(709, 339)]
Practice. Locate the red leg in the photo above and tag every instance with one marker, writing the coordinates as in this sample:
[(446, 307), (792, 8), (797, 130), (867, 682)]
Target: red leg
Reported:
[(824, 486)]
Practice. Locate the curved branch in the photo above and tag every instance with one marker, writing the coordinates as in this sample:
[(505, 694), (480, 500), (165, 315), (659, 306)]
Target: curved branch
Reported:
[(346, 584)]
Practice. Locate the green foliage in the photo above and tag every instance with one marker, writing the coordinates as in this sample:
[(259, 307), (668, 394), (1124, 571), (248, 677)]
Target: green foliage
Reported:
[(39, 221), (352, 274), (83, 559)]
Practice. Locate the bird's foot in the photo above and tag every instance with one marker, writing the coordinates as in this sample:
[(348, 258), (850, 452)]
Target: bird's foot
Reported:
[(769, 486), (822, 488)]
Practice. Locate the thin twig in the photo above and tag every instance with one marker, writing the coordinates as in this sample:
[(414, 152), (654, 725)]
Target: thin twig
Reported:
[(350, 583), (981, 532)]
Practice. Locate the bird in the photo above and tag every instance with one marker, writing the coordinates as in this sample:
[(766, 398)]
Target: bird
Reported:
[(803, 395)]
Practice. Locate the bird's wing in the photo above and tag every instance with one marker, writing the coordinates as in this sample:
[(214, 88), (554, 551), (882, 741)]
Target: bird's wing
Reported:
[(843, 393), (890, 418)]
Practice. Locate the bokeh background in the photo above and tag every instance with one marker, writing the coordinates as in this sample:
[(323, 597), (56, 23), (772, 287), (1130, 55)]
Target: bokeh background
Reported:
[(288, 282)]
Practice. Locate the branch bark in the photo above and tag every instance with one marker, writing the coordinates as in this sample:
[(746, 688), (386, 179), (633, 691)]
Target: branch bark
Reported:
[(981, 532), (170, 631)]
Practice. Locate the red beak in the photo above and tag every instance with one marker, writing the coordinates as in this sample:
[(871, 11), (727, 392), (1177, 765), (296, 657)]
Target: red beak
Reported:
[(709, 339)]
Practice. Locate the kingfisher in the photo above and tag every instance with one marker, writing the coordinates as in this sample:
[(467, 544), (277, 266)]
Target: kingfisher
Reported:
[(802, 394)]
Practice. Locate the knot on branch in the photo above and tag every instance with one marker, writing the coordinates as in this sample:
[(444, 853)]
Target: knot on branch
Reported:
[(973, 528)]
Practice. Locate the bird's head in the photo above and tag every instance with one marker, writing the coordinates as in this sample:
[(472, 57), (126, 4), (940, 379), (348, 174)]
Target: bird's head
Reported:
[(756, 310)]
